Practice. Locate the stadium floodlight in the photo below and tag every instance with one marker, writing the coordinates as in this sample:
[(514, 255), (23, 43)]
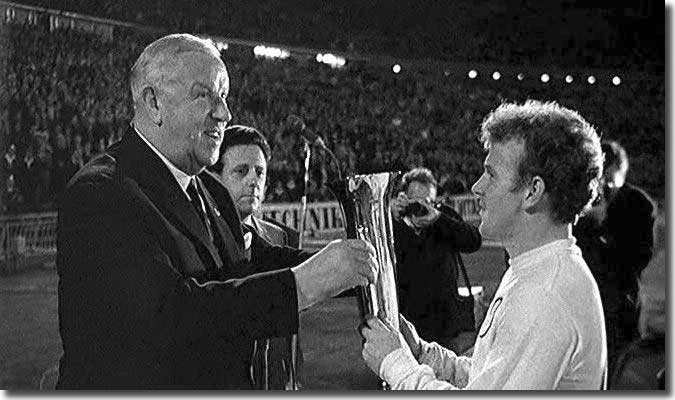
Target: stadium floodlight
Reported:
[(520, 76), (616, 81), (545, 78), (473, 73), (569, 79), (270, 52), (331, 59), (591, 79), (396, 68), (496, 75)]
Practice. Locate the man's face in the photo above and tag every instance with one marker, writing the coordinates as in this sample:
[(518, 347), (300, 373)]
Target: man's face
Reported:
[(244, 173), (194, 111), (500, 205), (421, 192)]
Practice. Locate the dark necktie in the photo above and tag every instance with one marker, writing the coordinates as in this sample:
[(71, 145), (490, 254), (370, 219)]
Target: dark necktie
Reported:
[(198, 203)]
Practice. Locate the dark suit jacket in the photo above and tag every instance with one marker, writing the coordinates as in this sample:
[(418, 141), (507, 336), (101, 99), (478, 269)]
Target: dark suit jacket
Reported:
[(145, 298), (273, 358), (276, 233)]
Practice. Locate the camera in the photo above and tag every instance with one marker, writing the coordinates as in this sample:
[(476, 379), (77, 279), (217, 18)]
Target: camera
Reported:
[(414, 209)]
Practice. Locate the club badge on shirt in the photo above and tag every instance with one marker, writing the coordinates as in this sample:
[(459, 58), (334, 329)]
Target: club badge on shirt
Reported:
[(490, 317)]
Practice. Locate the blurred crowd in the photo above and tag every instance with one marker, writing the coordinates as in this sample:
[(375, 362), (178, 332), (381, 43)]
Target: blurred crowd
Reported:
[(69, 99)]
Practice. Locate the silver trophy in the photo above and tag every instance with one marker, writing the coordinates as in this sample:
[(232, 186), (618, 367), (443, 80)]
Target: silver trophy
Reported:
[(365, 200)]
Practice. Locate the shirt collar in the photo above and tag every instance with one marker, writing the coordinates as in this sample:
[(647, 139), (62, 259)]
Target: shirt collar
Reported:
[(182, 178), (532, 256)]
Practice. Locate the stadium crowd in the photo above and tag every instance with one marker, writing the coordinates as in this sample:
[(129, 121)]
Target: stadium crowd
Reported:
[(68, 101), (509, 31)]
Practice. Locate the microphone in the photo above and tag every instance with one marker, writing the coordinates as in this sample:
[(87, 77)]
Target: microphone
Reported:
[(296, 126)]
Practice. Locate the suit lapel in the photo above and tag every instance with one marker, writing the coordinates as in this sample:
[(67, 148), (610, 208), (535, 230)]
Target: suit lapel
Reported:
[(161, 187), (230, 232), (260, 229)]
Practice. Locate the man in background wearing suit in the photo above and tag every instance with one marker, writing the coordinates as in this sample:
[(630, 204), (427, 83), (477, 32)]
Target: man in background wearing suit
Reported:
[(242, 168), (154, 283)]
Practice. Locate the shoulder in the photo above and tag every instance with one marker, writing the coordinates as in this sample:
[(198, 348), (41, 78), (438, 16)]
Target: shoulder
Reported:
[(101, 188), (94, 183), (287, 236)]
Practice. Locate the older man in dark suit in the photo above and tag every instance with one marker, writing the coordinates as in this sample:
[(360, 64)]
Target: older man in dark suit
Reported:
[(146, 258)]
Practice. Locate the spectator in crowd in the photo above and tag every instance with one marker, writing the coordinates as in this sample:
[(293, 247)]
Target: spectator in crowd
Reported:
[(29, 179), (616, 240), (10, 163), (61, 171), (155, 290), (12, 198), (544, 329), (641, 364), (428, 242), (242, 168)]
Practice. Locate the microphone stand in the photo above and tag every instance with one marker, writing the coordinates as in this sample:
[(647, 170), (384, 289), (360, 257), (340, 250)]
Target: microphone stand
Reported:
[(305, 188), (303, 214)]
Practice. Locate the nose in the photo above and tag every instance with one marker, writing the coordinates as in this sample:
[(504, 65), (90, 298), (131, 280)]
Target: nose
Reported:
[(252, 178), (477, 188), (220, 111)]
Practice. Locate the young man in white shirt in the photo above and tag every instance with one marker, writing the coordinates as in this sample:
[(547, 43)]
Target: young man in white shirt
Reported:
[(544, 329)]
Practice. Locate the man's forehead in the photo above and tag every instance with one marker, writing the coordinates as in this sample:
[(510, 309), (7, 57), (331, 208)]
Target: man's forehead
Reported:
[(200, 67), (504, 153), (244, 153), (416, 187)]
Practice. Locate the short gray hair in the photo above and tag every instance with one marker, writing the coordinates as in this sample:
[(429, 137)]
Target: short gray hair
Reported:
[(151, 66)]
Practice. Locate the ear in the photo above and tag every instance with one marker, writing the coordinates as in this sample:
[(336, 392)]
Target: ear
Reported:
[(151, 105), (533, 194)]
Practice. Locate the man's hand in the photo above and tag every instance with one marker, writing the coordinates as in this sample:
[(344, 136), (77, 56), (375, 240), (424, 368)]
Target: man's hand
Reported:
[(410, 335), (341, 265), (428, 219), (398, 204), (380, 339)]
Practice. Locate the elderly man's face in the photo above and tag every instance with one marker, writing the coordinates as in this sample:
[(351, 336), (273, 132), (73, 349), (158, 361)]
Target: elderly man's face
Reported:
[(244, 173), (195, 111)]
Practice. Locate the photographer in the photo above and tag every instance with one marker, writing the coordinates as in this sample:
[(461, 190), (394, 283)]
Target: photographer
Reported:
[(428, 240)]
